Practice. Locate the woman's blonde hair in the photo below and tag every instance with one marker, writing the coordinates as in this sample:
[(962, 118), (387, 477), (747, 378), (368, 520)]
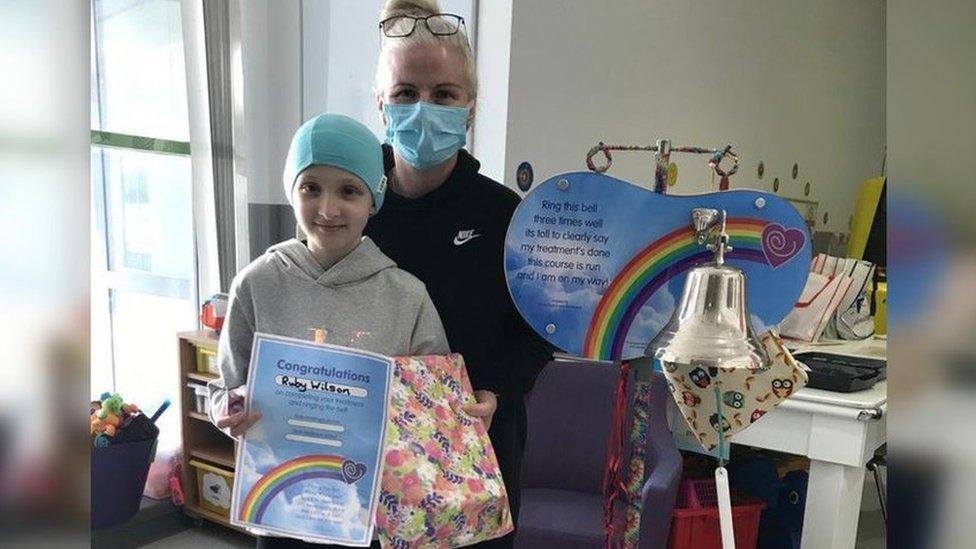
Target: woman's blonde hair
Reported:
[(422, 35)]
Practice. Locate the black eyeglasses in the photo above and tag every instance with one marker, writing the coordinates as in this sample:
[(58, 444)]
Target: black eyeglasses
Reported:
[(439, 24)]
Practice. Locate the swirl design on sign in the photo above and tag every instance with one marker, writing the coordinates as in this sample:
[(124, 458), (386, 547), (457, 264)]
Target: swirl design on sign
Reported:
[(780, 244)]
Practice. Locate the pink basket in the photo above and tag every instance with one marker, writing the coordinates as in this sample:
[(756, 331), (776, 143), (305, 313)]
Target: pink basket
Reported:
[(697, 493)]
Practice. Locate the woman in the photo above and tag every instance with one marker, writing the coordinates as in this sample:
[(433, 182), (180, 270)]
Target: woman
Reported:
[(445, 223)]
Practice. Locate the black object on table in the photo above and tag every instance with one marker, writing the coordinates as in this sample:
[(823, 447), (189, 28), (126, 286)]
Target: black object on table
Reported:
[(841, 373)]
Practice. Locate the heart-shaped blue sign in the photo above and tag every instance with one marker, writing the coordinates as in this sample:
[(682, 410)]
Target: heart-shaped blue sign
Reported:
[(596, 265)]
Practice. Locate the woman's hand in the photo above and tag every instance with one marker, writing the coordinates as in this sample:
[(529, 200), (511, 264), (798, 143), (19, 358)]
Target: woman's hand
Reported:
[(234, 417), (484, 408)]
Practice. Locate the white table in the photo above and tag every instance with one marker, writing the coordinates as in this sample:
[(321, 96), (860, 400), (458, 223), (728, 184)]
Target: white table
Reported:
[(839, 432)]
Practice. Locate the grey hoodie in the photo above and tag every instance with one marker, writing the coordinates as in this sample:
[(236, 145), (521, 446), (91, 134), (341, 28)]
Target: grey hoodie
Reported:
[(363, 301)]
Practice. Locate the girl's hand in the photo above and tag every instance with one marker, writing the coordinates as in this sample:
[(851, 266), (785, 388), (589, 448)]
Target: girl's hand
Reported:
[(484, 408), (234, 418)]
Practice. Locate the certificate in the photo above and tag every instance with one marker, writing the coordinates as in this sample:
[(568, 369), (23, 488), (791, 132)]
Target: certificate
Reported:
[(310, 467)]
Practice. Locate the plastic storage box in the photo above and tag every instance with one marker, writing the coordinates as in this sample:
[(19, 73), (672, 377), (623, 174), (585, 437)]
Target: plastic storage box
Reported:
[(214, 486), (207, 361), (695, 523), (201, 400)]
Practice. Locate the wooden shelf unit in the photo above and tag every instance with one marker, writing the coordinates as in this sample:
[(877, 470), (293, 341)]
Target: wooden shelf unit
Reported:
[(201, 438), (198, 376), (198, 415), (215, 454), (195, 510)]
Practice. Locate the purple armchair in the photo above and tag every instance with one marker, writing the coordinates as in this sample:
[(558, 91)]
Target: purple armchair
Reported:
[(569, 414)]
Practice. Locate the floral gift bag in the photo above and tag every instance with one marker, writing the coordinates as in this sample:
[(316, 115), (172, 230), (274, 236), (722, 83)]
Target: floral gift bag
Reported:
[(441, 485)]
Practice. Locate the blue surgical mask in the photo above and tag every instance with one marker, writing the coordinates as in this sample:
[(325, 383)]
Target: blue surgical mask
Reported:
[(425, 134)]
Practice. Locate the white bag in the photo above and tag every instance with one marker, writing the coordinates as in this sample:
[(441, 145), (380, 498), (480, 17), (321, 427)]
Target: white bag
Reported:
[(853, 318), (820, 299)]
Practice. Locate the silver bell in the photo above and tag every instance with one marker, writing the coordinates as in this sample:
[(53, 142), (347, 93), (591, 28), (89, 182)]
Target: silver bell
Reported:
[(710, 326)]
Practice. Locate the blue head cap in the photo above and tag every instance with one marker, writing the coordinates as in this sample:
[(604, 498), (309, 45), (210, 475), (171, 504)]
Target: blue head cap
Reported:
[(339, 141)]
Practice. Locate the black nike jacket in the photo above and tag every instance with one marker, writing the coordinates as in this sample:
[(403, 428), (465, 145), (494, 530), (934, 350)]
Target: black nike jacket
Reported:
[(453, 239)]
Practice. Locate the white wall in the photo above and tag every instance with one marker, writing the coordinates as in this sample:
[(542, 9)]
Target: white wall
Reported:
[(491, 112), (782, 81), (270, 46)]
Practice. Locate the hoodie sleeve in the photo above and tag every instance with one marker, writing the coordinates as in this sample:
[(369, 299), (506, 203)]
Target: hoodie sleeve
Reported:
[(234, 347), (428, 336)]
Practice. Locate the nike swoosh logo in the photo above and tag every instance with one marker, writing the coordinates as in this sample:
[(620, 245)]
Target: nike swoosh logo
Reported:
[(458, 240)]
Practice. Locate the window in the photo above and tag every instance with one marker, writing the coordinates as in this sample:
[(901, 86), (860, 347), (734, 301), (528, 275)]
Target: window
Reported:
[(143, 258)]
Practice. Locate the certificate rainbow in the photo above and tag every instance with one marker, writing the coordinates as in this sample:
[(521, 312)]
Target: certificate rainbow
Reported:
[(653, 267), (287, 474)]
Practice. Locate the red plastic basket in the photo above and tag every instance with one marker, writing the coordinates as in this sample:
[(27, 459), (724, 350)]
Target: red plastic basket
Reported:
[(697, 493), (695, 523)]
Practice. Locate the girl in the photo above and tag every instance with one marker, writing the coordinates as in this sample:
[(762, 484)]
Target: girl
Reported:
[(337, 280)]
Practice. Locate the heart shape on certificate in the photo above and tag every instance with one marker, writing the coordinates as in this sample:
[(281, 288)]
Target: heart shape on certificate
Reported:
[(352, 471)]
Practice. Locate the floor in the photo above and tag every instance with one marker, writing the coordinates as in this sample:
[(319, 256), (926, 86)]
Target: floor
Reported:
[(206, 535), (871, 531), (209, 536)]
